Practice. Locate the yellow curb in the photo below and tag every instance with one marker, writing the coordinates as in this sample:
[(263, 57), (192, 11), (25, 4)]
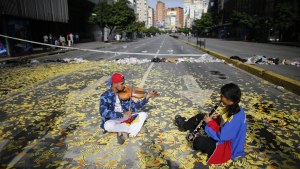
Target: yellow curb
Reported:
[(277, 79)]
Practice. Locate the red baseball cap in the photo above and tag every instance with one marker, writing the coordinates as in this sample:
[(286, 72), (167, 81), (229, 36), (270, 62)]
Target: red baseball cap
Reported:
[(117, 78)]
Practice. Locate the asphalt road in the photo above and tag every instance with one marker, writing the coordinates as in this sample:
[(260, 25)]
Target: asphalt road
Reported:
[(248, 49), (53, 121)]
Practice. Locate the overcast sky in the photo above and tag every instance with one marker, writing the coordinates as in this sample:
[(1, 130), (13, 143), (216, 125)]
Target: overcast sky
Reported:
[(152, 3), (169, 3)]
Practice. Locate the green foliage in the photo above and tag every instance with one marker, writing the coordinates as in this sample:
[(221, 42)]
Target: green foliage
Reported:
[(118, 15), (242, 19), (122, 15), (184, 30), (144, 30), (136, 27), (101, 14), (205, 22), (285, 16), (153, 30)]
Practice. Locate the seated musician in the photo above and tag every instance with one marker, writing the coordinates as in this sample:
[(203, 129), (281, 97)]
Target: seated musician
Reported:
[(226, 134), (116, 113)]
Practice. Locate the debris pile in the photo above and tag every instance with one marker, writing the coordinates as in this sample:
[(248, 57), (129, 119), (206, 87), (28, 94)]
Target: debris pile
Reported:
[(205, 58), (132, 60), (260, 59), (64, 60)]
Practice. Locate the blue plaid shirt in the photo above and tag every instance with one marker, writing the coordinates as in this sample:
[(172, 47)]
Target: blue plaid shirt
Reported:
[(107, 106)]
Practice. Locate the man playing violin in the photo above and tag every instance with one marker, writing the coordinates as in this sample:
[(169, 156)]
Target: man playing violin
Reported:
[(117, 113)]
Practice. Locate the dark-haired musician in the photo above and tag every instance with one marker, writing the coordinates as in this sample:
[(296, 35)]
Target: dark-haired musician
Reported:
[(226, 133)]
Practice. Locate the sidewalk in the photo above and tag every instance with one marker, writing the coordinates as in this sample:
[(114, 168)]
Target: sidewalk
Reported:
[(86, 45), (295, 44)]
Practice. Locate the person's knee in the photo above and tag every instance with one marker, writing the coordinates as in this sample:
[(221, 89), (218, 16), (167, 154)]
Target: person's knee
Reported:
[(197, 144), (143, 115), (108, 126)]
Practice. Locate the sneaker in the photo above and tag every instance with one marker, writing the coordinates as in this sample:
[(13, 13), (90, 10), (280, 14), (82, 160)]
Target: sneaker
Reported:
[(121, 137), (103, 132), (179, 121), (143, 130)]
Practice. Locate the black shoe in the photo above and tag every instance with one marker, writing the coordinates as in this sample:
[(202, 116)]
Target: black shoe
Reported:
[(121, 139), (179, 121)]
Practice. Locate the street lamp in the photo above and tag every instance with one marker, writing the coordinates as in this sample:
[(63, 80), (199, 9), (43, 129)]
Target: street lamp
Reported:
[(93, 14)]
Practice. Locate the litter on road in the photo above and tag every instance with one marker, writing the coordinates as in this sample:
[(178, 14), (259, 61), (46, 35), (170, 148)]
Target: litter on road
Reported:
[(205, 58), (261, 59)]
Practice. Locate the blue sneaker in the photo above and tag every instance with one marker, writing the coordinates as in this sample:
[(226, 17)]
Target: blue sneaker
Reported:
[(103, 132)]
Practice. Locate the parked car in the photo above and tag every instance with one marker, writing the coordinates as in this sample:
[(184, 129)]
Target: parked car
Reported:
[(273, 39)]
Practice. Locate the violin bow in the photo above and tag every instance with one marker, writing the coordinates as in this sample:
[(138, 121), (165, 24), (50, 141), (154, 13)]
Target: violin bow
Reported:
[(131, 93)]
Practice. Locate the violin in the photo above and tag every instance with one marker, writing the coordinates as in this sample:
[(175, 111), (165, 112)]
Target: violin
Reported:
[(136, 92)]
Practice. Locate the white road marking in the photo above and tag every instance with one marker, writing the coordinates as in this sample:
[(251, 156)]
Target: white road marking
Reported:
[(151, 65), (147, 72)]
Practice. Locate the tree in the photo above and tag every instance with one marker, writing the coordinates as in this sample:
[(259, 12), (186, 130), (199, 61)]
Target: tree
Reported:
[(261, 28), (144, 30), (179, 30), (285, 17), (185, 30), (136, 27), (243, 20), (116, 16), (101, 15), (205, 22), (153, 30), (122, 15)]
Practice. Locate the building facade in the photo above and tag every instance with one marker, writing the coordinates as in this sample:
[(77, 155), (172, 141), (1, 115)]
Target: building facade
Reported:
[(174, 18), (31, 21), (160, 14), (193, 9), (151, 17), (142, 11), (262, 10)]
